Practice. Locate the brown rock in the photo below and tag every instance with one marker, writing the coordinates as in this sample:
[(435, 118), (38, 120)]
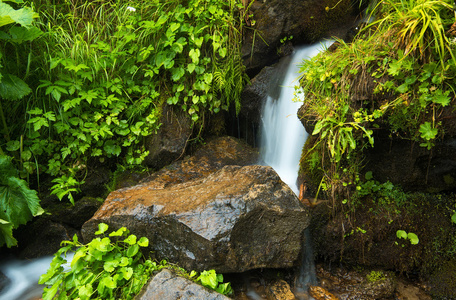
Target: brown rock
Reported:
[(320, 293), (235, 219), (280, 290)]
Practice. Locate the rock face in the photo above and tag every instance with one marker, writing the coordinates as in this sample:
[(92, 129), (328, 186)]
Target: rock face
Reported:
[(233, 220), (306, 21), (166, 285), (171, 139)]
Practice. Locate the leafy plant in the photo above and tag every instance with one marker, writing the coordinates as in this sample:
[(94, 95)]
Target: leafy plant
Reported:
[(101, 269), (111, 266), (413, 238), (18, 203), (213, 281)]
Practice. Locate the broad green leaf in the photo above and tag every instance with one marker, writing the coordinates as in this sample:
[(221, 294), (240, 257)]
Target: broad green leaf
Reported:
[(132, 250), (127, 272), (19, 203), (143, 242), (194, 55), (110, 265), (109, 282), (13, 145), (191, 68), (23, 16), (13, 88), (427, 131), (177, 73), (131, 239), (401, 234), (453, 218), (23, 34), (413, 238), (441, 98), (6, 234)]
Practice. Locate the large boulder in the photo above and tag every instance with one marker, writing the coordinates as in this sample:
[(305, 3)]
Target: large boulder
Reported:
[(233, 220), (304, 21), (167, 285)]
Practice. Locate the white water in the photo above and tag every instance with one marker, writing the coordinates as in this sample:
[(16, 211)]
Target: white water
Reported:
[(282, 134), (23, 276), (282, 139)]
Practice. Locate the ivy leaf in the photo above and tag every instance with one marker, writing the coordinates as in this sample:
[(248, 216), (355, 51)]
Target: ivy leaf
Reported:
[(13, 88)]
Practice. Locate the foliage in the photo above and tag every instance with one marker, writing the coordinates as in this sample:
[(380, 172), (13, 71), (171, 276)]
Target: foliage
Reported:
[(111, 266), (401, 234), (214, 281), (18, 203), (16, 29), (397, 76), (103, 72)]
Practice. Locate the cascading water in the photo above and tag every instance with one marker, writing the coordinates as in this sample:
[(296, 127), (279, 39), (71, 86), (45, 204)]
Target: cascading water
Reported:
[(282, 134), (282, 139)]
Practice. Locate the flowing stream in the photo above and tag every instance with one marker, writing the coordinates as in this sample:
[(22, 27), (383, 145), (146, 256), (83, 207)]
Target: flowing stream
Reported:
[(282, 140)]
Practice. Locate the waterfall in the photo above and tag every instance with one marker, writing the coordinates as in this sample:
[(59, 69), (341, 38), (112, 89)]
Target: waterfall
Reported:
[(282, 139), (282, 134)]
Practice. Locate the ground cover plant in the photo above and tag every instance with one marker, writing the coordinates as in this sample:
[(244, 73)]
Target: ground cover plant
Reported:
[(111, 266), (398, 75), (94, 77)]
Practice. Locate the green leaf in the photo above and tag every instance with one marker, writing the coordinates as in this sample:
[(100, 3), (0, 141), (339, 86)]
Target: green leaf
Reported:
[(102, 227), (132, 250), (453, 218), (23, 34), (401, 234), (143, 242), (13, 88), (131, 239), (109, 282), (441, 98), (119, 232), (9, 15), (6, 234), (19, 203), (177, 73), (427, 131), (194, 54), (13, 145), (413, 238)]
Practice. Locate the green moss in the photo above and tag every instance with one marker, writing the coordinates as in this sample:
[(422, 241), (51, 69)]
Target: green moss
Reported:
[(374, 276)]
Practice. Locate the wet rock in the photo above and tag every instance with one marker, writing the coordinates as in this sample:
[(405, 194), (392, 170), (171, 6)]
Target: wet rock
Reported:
[(170, 141), (43, 237), (233, 220), (74, 215), (209, 158), (412, 167), (166, 285), (304, 22), (4, 281), (320, 293), (350, 285), (280, 290)]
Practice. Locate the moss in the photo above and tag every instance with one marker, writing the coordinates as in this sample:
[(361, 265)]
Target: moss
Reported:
[(443, 281), (374, 276)]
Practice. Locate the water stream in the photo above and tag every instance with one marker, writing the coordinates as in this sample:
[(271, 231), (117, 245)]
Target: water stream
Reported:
[(282, 139)]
